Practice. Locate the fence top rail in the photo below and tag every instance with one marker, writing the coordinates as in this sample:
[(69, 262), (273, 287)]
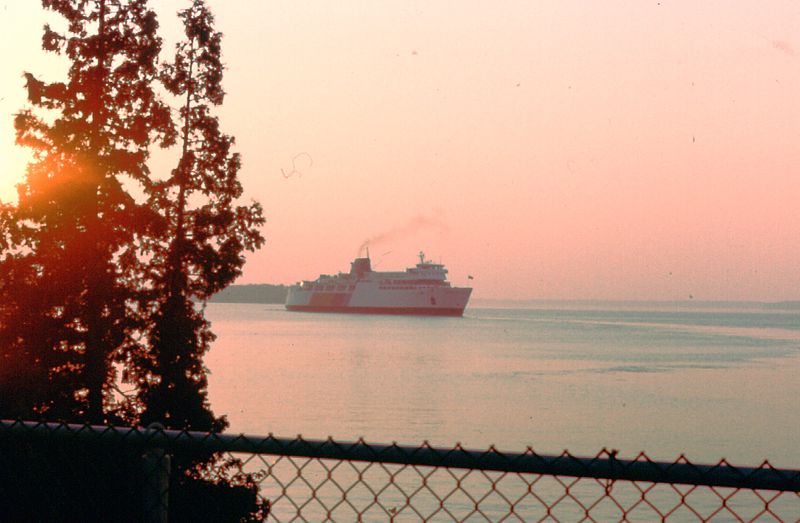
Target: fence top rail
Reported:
[(605, 465)]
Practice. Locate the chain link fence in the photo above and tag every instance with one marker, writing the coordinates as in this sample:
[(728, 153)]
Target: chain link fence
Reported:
[(63, 472)]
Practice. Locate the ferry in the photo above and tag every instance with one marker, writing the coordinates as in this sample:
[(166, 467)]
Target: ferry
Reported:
[(422, 290)]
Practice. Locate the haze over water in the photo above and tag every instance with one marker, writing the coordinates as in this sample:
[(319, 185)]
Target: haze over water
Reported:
[(709, 383)]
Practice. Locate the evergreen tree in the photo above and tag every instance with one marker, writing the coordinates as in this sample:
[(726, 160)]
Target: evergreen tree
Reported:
[(68, 266), (206, 234)]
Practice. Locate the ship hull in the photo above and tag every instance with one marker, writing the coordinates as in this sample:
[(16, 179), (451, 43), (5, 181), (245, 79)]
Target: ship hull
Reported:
[(368, 298), (406, 311)]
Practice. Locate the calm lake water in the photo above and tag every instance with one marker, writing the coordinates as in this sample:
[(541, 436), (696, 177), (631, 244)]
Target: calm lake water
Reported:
[(709, 383)]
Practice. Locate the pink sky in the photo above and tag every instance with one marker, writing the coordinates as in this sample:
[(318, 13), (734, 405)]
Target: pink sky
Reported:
[(603, 150)]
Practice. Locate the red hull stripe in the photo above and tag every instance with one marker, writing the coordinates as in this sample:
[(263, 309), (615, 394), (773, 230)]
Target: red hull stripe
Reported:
[(407, 311)]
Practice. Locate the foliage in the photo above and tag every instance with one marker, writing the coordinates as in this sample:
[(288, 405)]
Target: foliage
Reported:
[(214, 488), (206, 235), (94, 281), (66, 280)]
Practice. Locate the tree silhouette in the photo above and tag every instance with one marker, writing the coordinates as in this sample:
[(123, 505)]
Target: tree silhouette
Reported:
[(200, 252), (206, 234), (68, 271), (93, 281)]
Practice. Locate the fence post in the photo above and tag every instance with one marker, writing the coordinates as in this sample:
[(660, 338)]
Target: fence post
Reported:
[(155, 495)]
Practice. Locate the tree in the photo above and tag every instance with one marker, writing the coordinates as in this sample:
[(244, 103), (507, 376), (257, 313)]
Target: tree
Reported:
[(68, 269), (206, 234), (92, 280)]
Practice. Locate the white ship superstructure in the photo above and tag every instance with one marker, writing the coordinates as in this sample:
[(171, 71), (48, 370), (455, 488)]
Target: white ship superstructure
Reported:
[(420, 290)]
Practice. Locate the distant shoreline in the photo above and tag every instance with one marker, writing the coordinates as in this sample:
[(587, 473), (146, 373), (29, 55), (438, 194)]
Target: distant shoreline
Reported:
[(276, 294), (253, 293)]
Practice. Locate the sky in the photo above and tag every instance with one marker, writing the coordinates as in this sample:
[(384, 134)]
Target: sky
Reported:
[(636, 150)]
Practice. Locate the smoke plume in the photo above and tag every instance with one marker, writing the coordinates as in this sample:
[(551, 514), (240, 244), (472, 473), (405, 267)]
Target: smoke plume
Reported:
[(411, 227)]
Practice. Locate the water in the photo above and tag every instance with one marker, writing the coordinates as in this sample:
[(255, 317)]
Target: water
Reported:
[(708, 383)]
